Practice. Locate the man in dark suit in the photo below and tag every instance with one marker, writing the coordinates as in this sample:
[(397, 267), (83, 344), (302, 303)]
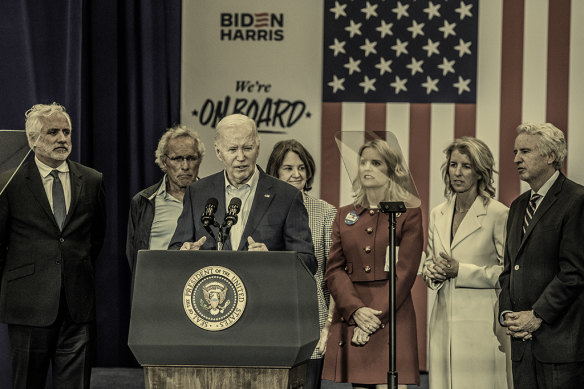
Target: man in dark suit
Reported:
[(272, 216), (542, 284), (52, 226)]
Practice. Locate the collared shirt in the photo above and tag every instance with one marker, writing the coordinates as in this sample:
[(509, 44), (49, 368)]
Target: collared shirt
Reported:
[(246, 193), (167, 209), (45, 172), (545, 188)]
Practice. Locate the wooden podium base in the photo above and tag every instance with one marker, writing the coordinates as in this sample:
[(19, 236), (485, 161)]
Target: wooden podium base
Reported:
[(196, 377)]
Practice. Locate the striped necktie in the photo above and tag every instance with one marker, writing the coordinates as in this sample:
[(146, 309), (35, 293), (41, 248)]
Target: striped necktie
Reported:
[(530, 211), (59, 208)]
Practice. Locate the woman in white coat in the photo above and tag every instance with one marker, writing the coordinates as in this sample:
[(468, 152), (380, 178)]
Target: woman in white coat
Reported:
[(466, 235)]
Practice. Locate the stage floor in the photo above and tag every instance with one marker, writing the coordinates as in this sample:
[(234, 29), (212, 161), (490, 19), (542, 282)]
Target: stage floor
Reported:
[(133, 378)]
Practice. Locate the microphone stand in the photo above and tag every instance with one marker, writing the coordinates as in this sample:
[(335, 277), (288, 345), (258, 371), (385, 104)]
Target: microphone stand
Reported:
[(392, 209)]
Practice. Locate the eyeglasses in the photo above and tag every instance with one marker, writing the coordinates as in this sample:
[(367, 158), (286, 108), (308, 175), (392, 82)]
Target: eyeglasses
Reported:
[(180, 158)]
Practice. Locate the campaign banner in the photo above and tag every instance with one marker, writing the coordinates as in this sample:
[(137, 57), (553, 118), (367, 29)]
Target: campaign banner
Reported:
[(261, 59)]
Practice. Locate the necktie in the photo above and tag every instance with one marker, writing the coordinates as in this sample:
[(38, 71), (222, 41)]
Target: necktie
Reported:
[(59, 208), (530, 211)]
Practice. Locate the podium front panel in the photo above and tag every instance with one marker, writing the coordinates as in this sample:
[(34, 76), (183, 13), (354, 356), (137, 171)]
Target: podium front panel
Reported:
[(278, 327)]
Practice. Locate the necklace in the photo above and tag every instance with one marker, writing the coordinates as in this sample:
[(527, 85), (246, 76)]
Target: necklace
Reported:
[(461, 211)]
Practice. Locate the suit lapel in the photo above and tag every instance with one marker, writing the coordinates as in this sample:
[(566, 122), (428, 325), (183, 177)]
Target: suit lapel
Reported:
[(470, 223), (261, 201), (444, 225), (35, 185)]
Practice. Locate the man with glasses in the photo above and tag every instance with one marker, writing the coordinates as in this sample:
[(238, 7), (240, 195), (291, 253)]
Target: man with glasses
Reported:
[(155, 210)]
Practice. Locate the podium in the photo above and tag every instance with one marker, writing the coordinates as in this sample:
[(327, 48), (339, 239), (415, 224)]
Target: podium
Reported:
[(223, 319)]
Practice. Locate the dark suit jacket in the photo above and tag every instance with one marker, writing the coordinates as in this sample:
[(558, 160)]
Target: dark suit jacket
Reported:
[(277, 217), (544, 271), (37, 259)]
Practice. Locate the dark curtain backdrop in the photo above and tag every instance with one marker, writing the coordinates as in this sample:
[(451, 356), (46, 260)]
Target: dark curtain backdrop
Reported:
[(115, 65)]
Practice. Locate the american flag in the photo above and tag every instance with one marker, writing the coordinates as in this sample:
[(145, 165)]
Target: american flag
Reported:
[(528, 60), (395, 51)]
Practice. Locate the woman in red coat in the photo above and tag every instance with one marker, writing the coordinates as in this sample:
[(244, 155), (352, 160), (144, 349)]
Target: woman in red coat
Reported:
[(358, 343)]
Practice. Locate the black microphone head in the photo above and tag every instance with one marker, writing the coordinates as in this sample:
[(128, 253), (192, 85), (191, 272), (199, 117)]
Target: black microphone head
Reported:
[(207, 217), (212, 202), (235, 205)]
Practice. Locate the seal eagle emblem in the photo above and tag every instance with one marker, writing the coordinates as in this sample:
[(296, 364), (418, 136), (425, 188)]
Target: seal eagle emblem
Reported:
[(214, 298)]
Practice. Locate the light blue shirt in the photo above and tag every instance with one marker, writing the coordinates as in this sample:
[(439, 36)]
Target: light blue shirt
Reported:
[(167, 209), (246, 193)]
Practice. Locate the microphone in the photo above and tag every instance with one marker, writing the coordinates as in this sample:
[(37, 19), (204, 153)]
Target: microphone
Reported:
[(208, 216), (232, 211)]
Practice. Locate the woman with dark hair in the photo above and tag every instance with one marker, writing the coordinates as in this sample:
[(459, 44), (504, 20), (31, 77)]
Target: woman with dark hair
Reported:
[(358, 344), (291, 162), (466, 237)]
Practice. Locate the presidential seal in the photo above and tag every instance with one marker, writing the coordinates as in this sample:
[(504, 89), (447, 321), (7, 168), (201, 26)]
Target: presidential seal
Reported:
[(214, 298)]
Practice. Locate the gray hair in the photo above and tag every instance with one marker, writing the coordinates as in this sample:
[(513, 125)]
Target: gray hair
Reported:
[(236, 121), (177, 131), (550, 140), (34, 119)]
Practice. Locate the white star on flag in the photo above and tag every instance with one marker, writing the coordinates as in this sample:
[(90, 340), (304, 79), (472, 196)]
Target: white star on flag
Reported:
[(431, 47), (354, 28), (464, 10), (400, 47), (368, 47), (369, 10), (385, 29), (447, 29), (415, 66), (463, 47), (338, 47), (432, 10), (383, 66), (337, 83), (446, 66), (339, 10), (401, 10), (353, 65), (367, 84), (399, 84), (462, 85), (416, 29), (430, 85)]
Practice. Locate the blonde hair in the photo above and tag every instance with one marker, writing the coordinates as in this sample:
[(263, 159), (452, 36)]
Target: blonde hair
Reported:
[(482, 162), (398, 175)]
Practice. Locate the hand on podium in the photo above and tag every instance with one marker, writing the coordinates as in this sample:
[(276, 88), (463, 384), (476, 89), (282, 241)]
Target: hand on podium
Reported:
[(253, 246), (193, 245)]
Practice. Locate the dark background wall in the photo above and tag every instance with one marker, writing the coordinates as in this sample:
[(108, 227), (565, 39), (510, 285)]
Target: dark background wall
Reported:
[(115, 66)]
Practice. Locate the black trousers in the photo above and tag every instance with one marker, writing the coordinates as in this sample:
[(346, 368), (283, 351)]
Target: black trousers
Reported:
[(313, 373), (529, 373), (68, 345)]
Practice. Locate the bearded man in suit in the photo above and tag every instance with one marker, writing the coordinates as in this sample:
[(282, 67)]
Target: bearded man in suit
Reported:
[(272, 217), (52, 227), (542, 283)]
